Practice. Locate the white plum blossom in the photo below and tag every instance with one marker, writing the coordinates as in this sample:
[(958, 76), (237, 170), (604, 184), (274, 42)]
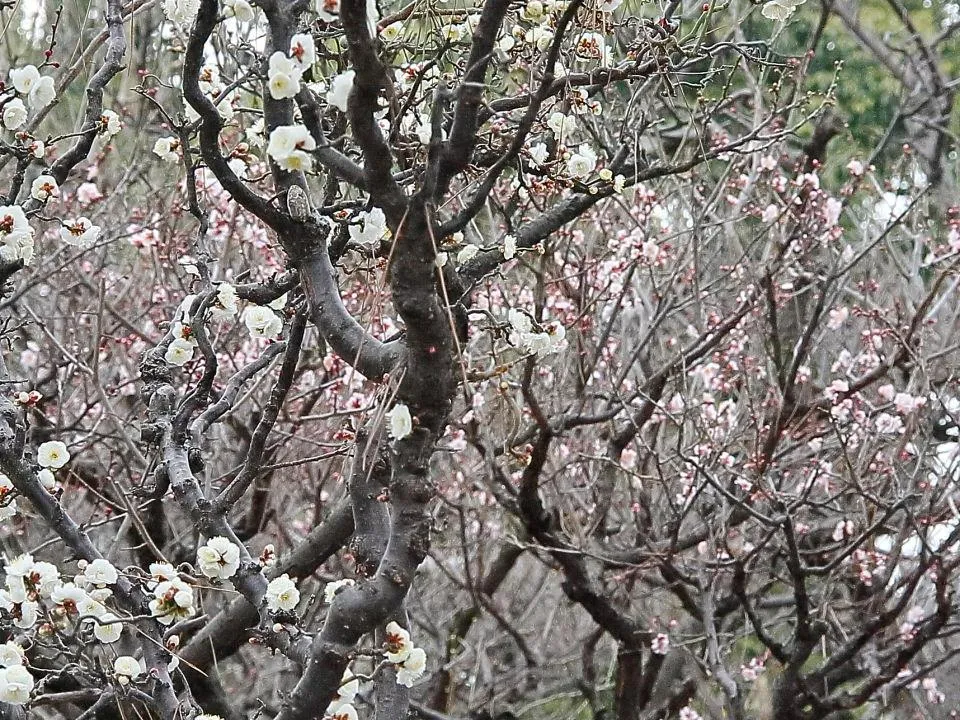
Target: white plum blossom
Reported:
[(340, 88), (209, 79), (126, 668), (161, 572), (538, 36), (165, 148), (346, 692), (332, 588), (16, 235), (534, 12), (262, 322), (592, 46), (44, 187), (80, 232), (283, 76), (412, 667), (106, 631), (24, 612), (401, 422), (219, 558), (43, 93), (282, 594), (523, 335), (392, 32), (52, 454), (70, 599), (504, 45), (539, 153), (225, 306), (110, 124), (303, 51), (14, 114), (562, 125), (24, 79), (371, 227), (172, 600), (583, 162), (47, 479), (40, 577), (290, 145), (179, 352), (100, 573), (11, 654), (16, 684), (397, 645), (454, 32)]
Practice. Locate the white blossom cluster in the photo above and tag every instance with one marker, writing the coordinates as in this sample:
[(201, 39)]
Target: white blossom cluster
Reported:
[(261, 321), (410, 661), (35, 594), (16, 235), (539, 341), (286, 69), (29, 87), (172, 599), (38, 90)]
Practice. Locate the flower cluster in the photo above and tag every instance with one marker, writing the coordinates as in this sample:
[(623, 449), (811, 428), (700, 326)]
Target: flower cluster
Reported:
[(410, 661), (38, 89), (286, 69), (535, 340), (262, 321), (341, 707), (172, 597), (16, 682), (290, 146), (33, 590), (16, 235)]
